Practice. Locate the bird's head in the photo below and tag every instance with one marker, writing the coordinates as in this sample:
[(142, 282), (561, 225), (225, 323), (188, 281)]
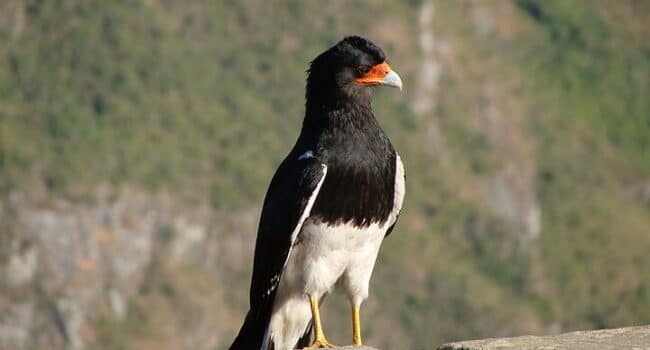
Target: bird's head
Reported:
[(349, 69)]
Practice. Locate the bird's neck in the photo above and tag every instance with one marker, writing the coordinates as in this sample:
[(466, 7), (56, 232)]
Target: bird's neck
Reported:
[(338, 114)]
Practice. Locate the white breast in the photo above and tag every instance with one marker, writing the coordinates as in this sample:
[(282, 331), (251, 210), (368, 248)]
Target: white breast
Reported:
[(343, 252)]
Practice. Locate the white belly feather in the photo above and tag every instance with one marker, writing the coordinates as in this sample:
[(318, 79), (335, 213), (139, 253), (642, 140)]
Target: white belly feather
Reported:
[(324, 257)]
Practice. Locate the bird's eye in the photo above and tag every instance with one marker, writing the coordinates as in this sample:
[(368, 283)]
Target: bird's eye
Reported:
[(362, 69)]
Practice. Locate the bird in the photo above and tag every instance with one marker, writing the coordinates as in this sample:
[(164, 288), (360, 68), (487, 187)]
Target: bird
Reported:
[(329, 206)]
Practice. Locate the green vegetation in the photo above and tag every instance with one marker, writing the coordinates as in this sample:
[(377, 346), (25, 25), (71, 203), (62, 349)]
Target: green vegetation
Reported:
[(203, 100), (592, 80)]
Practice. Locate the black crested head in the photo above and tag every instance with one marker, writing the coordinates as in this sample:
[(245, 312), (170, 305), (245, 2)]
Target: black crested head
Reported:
[(334, 75)]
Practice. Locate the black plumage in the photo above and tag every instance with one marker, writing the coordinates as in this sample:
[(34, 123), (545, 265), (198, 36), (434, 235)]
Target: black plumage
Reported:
[(342, 149), (340, 124)]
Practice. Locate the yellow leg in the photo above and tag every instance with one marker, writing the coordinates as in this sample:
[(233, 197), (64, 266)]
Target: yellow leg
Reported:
[(356, 326), (319, 336)]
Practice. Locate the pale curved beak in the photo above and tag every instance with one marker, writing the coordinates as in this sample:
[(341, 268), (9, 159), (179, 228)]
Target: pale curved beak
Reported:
[(392, 79), (381, 74)]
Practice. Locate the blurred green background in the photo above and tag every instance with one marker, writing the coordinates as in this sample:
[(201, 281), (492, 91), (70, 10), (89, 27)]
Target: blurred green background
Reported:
[(138, 138)]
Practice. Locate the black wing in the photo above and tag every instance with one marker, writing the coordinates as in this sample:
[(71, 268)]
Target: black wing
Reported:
[(288, 201)]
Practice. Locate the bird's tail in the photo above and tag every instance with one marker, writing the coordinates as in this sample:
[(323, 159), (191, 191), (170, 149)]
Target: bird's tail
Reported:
[(252, 333)]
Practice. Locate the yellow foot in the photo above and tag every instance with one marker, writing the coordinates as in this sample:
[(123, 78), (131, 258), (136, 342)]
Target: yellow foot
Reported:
[(320, 343)]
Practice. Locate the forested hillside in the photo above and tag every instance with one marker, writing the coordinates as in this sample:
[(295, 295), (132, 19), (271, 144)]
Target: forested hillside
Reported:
[(137, 139)]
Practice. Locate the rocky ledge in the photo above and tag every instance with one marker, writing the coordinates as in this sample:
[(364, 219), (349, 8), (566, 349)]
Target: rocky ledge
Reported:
[(630, 338)]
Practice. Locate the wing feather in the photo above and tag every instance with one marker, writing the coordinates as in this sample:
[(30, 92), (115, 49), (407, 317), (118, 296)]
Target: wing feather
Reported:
[(287, 205)]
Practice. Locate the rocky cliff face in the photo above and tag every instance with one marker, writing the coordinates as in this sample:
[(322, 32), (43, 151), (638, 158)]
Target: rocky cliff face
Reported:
[(64, 263), (507, 186)]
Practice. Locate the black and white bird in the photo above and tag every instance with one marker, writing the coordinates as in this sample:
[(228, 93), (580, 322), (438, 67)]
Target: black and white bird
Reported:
[(329, 206)]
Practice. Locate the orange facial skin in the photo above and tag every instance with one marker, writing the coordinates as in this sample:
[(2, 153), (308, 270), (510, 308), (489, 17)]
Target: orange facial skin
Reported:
[(375, 74)]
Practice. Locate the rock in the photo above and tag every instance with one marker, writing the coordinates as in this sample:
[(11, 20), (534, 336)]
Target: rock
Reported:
[(73, 258), (632, 338), (188, 242), (15, 323), (21, 268)]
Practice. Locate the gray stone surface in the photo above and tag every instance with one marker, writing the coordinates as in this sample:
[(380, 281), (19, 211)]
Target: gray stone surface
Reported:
[(630, 338)]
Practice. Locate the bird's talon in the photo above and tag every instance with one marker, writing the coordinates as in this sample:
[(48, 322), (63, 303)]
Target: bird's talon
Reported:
[(320, 344)]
